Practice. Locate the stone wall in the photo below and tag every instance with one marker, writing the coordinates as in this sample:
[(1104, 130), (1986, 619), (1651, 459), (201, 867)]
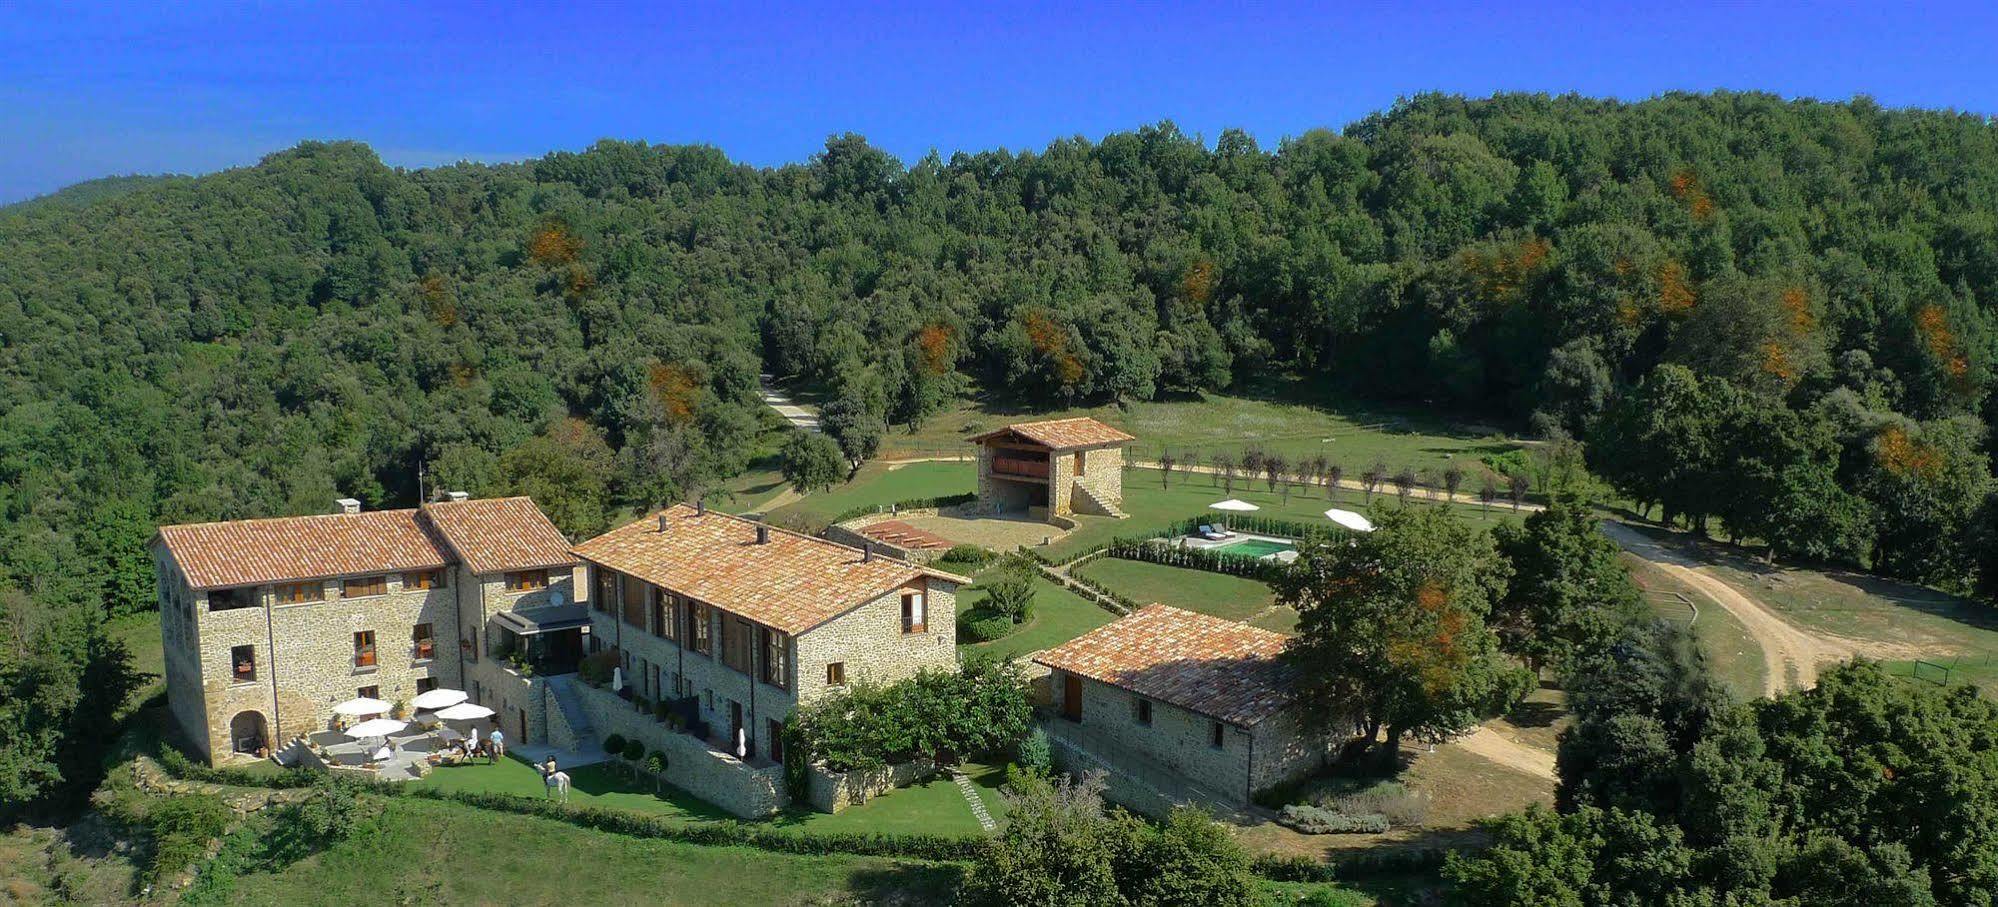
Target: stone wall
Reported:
[(718, 778), (491, 681), (870, 643), (830, 792), (653, 665), (1286, 751), (1104, 474), (1176, 737)]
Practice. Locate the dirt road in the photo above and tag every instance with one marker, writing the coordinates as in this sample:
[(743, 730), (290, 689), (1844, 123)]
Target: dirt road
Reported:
[(1512, 754), (1791, 653)]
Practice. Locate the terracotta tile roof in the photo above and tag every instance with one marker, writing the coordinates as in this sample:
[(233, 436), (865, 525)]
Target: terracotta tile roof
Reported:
[(792, 583), (493, 535), (1062, 434), (288, 549), (1225, 670)]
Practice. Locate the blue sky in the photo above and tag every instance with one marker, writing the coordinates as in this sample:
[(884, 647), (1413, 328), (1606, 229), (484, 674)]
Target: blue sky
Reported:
[(196, 86)]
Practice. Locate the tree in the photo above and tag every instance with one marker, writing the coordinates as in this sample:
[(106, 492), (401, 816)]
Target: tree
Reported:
[(1404, 483), (1518, 484), (1009, 588), (1372, 478), (1334, 476), (1166, 463), (1453, 478), (1225, 465), (812, 462), (1568, 593), (1391, 630), (1273, 473)]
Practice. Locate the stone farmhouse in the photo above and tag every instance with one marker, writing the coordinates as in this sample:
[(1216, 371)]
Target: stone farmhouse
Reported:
[(269, 623), (1179, 708), (732, 624), (1053, 469)]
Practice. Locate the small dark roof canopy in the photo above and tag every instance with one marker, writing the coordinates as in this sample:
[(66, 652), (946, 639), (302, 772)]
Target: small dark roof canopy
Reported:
[(544, 620)]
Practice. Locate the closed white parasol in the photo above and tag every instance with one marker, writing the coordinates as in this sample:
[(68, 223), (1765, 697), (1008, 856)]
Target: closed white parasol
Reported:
[(1350, 520), (1232, 504), (437, 699), (354, 708), (465, 711)]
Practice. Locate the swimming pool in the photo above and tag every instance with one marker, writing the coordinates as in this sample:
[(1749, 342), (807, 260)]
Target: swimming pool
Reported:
[(1254, 548)]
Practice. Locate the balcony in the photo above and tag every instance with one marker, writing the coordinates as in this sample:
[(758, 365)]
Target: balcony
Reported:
[(1018, 466)]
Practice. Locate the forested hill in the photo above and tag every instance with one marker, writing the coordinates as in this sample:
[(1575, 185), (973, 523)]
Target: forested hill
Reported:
[(588, 327)]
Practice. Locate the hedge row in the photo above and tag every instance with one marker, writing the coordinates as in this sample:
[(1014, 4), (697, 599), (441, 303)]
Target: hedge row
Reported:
[(1151, 550), (1350, 865), (949, 500), (1252, 523), (723, 833)]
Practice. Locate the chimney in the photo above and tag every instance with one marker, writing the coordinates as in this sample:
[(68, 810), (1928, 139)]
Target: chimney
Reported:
[(866, 553), (762, 534), (700, 506), (346, 505), (662, 521), (456, 496)]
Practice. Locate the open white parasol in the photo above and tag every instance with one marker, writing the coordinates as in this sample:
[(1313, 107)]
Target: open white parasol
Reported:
[(376, 727), (437, 699), (1235, 505), (465, 711), (1350, 520), (354, 708)]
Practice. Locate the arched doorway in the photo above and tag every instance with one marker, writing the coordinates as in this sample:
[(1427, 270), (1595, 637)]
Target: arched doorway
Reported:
[(248, 733)]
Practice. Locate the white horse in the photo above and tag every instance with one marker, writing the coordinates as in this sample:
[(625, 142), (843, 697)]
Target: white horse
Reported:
[(556, 784)]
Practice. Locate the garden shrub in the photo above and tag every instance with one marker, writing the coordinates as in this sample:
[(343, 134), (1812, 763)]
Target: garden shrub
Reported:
[(595, 668), (657, 762), (614, 744), (1009, 589), (969, 556), (981, 707), (1317, 820), (634, 749), (1400, 805), (982, 627), (181, 827), (1036, 754)]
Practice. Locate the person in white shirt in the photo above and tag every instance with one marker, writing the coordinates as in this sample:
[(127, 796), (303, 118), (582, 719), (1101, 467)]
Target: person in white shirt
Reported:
[(498, 749)]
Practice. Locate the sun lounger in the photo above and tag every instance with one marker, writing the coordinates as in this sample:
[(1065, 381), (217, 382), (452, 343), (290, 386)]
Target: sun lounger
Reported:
[(1209, 533)]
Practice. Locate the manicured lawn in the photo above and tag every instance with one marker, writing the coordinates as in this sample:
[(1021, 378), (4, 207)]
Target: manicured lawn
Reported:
[(1232, 597), (1288, 418), (1153, 505), (877, 484), (1059, 616), (1979, 670), (446, 853), (1282, 619), (935, 807), (590, 785)]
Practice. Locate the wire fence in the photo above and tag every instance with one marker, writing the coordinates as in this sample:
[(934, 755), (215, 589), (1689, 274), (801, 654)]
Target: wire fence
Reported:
[(1940, 671)]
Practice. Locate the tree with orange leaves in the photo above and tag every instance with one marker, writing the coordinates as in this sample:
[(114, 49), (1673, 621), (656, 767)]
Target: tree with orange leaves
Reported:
[(1392, 638)]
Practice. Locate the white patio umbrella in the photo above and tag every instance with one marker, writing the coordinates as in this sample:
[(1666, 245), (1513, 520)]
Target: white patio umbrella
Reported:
[(437, 699), (1232, 504), (362, 705), (465, 711), (1350, 520), (375, 727), (617, 678)]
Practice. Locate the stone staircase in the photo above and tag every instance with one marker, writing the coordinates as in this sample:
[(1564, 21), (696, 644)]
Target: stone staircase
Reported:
[(1087, 501), (573, 731)]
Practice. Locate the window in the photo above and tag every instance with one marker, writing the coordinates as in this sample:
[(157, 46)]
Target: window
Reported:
[(776, 667), (231, 599), (363, 586), (369, 692), (663, 610), (776, 732), (526, 580), (423, 579), (293, 593), (913, 616), (603, 596), (1219, 736), (700, 628), (1144, 711), (423, 642), (1081, 465), (836, 674), (425, 685), (633, 599), (738, 642), (243, 663), (364, 649)]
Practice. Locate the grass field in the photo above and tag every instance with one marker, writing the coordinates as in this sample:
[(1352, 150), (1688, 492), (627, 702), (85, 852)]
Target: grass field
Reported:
[(590, 785), (1232, 597), (446, 853), (934, 807), (1059, 616), (1152, 506), (1731, 652), (1287, 418), (880, 484)]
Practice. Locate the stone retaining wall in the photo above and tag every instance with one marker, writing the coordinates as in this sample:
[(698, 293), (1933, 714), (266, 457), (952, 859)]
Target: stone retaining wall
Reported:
[(746, 791), (831, 792)]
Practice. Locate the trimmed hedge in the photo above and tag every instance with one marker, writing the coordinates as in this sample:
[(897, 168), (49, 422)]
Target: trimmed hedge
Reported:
[(1152, 551), (988, 628), (1350, 865), (1317, 820)]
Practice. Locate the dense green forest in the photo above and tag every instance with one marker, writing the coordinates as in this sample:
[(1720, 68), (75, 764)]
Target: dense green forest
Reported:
[(1770, 318)]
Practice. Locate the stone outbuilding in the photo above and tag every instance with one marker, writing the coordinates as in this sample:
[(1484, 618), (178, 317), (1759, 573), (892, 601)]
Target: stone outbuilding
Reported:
[(1179, 708), (1053, 469)]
